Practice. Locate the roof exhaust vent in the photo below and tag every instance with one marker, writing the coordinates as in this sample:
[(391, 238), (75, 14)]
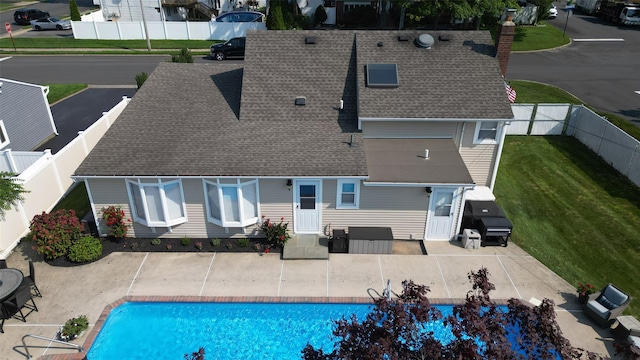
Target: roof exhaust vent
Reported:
[(425, 41), (444, 37), (380, 44), (403, 38), (301, 100), (310, 40)]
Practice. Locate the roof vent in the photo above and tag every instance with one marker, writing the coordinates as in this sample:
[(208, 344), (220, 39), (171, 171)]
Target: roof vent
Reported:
[(444, 37), (403, 38), (425, 41), (310, 40), (380, 44), (301, 100)]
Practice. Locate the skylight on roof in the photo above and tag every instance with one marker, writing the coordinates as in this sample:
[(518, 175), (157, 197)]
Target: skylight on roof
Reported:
[(382, 75)]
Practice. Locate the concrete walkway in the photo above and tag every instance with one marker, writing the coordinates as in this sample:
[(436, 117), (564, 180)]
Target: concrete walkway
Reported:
[(87, 289)]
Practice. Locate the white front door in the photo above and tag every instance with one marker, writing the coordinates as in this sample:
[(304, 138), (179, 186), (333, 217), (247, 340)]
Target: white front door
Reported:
[(307, 206), (442, 209)]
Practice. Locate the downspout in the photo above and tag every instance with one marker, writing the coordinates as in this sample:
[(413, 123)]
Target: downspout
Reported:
[(499, 155)]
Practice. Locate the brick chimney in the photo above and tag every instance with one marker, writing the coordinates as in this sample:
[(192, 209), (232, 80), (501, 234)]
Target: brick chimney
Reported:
[(504, 41)]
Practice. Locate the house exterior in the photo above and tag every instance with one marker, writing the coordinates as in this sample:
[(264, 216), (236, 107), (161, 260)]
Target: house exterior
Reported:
[(325, 129), (25, 116)]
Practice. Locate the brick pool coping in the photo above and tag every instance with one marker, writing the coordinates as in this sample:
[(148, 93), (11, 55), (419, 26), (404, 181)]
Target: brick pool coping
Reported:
[(248, 299)]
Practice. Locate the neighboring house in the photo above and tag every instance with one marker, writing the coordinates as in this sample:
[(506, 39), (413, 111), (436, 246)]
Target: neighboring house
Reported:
[(326, 129), (25, 116)]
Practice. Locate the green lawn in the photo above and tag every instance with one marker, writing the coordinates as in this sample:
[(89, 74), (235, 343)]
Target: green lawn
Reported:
[(60, 91), (112, 46), (77, 200), (572, 211), (538, 37)]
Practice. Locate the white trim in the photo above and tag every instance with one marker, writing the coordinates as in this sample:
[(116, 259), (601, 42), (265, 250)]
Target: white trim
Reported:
[(498, 157), (93, 207), (356, 194), (367, 183), (238, 186), (360, 119), (4, 134), (484, 141), (310, 177), (168, 222)]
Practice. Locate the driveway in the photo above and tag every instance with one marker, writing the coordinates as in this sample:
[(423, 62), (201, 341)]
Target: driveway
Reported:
[(80, 111)]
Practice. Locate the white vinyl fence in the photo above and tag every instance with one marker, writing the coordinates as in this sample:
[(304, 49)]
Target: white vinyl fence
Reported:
[(162, 30), (49, 178), (611, 143)]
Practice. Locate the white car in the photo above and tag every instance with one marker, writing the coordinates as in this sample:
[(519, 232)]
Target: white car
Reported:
[(553, 11), (50, 23)]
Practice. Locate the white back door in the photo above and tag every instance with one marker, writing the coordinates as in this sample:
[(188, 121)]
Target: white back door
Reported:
[(442, 209), (307, 197)]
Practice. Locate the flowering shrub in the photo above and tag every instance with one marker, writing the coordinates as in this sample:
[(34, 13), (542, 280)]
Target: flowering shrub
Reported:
[(585, 289), (113, 217), (55, 232), (276, 234)]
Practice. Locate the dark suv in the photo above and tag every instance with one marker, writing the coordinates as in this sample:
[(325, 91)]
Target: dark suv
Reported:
[(24, 16), (232, 48)]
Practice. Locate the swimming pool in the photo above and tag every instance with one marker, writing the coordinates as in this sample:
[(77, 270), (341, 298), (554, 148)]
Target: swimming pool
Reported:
[(156, 330)]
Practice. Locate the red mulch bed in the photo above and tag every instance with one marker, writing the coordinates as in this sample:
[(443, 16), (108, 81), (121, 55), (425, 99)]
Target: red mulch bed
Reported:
[(110, 245)]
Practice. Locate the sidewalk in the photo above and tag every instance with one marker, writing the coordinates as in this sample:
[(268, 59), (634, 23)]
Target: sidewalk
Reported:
[(87, 289)]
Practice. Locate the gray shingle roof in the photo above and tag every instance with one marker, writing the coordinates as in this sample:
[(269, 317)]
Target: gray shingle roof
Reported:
[(459, 78), (231, 120)]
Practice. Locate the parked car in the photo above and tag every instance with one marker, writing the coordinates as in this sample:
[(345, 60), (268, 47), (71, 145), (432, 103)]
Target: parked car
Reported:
[(232, 48), (241, 16), (24, 16), (50, 23), (553, 11)]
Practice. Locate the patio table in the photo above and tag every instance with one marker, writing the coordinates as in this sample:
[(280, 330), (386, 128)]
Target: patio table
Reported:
[(10, 280)]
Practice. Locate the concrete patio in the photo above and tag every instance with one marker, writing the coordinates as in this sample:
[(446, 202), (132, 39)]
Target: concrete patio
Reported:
[(72, 291)]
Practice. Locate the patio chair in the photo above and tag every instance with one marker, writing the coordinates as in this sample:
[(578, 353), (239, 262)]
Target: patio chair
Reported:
[(606, 305), (20, 300), (4, 315), (30, 280)]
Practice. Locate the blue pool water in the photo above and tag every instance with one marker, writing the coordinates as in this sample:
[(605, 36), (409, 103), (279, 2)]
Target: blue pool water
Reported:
[(232, 331)]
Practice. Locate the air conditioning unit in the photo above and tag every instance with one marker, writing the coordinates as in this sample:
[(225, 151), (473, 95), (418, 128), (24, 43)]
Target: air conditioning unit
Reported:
[(471, 239)]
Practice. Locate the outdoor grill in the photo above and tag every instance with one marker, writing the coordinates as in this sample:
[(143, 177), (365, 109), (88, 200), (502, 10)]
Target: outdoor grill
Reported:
[(489, 220)]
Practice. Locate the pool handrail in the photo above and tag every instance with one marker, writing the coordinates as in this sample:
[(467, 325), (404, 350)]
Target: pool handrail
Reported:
[(26, 348)]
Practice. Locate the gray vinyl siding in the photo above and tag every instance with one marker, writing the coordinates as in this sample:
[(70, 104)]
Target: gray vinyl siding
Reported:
[(479, 158), (24, 109), (404, 209), (409, 129)]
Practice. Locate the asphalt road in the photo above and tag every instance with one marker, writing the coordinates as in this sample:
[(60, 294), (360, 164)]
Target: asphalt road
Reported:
[(75, 69), (603, 74)]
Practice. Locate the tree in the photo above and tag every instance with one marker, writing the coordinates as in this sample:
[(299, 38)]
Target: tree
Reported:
[(481, 329), (73, 10), (320, 15), (275, 19), (11, 191), (476, 10), (543, 8)]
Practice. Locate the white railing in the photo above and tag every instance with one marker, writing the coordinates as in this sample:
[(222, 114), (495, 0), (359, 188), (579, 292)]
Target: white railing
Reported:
[(611, 143), (162, 30), (49, 178)]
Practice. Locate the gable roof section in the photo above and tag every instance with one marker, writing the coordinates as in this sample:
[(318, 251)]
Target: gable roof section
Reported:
[(180, 122), (455, 79), (310, 139)]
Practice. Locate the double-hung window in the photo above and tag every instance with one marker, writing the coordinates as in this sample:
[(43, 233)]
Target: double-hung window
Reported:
[(486, 132), (4, 138), (231, 202), (348, 194), (157, 204)]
